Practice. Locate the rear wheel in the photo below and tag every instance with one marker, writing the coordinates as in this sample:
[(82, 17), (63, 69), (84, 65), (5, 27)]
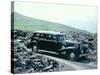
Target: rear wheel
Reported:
[(73, 55), (34, 48)]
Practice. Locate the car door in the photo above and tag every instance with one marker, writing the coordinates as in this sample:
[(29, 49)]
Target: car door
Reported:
[(51, 42), (42, 41)]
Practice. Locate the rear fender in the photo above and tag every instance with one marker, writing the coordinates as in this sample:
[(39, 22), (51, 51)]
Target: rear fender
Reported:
[(34, 42)]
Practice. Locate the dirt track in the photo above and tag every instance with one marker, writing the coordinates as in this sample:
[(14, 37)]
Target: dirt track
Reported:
[(83, 64)]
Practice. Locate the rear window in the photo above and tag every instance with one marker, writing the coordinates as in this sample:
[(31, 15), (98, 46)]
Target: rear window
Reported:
[(36, 35)]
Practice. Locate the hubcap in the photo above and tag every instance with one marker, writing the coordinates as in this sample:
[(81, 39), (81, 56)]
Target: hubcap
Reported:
[(34, 47), (72, 55)]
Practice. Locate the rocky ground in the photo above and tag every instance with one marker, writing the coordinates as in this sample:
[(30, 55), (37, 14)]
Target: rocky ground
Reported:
[(27, 62)]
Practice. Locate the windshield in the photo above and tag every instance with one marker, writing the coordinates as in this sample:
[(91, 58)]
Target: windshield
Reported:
[(61, 37)]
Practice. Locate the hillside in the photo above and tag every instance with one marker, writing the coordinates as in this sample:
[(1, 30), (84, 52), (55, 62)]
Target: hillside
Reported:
[(22, 22)]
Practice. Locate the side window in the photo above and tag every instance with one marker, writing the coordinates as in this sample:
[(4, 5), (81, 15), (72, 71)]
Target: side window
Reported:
[(48, 37), (43, 36), (61, 37), (51, 37), (54, 37), (36, 35)]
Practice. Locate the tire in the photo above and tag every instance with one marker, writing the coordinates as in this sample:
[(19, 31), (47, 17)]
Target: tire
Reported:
[(73, 55), (34, 48)]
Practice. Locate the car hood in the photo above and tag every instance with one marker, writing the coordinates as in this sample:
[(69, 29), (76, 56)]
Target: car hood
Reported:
[(70, 41)]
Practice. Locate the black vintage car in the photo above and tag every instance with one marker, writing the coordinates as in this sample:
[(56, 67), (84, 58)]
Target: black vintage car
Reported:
[(56, 42)]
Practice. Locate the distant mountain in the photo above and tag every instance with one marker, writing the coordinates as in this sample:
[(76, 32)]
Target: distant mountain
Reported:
[(22, 22)]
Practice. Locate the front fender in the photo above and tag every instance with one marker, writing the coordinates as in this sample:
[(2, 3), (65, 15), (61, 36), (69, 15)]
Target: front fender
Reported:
[(68, 48)]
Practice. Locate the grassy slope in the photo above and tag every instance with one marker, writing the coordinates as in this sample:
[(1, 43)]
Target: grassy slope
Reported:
[(25, 23)]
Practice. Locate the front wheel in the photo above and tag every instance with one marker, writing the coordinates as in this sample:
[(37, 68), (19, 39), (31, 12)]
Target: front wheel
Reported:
[(73, 55)]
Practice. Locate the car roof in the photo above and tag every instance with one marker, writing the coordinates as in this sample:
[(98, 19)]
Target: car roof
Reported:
[(50, 32)]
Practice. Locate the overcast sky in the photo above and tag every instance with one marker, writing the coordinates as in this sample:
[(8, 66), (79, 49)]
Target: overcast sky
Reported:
[(82, 17)]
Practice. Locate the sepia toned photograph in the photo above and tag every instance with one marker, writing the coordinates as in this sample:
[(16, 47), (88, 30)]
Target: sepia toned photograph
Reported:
[(49, 37)]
